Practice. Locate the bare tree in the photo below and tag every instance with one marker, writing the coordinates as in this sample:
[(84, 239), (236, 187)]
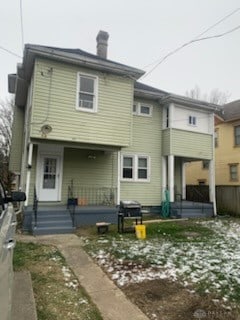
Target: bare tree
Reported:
[(215, 96), (6, 120)]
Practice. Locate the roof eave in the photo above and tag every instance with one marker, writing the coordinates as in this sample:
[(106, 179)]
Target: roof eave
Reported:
[(107, 66), (148, 94), (191, 102)]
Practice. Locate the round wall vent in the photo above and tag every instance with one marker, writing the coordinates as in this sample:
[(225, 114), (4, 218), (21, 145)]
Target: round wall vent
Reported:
[(46, 129)]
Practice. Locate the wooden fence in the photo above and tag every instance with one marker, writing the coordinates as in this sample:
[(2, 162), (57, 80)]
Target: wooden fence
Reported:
[(227, 197)]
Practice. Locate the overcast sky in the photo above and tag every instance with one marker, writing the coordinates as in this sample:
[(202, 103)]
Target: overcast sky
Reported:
[(141, 32)]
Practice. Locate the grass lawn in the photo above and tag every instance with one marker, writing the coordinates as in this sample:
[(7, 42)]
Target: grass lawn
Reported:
[(57, 292), (203, 256)]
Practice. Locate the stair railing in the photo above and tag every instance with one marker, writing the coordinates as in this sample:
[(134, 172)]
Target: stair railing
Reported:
[(35, 206), (71, 203)]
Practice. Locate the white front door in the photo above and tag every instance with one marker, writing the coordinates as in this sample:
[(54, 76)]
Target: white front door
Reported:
[(49, 177)]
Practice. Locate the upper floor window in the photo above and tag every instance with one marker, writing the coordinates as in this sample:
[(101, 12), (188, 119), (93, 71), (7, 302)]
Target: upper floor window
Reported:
[(142, 109), (205, 164), (233, 171), (167, 117), (134, 110), (237, 135), (216, 138), (145, 110), (192, 120), (135, 168), (87, 93)]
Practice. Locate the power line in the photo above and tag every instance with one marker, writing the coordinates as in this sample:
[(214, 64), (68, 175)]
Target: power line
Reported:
[(195, 39), (217, 23), (21, 17), (11, 52)]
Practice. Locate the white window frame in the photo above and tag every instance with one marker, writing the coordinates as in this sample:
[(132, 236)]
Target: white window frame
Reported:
[(95, 92), (135, 168), (192, 120), (138, 109)]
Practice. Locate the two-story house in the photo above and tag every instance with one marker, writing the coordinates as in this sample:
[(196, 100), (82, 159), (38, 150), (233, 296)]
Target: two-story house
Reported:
[(227, 152), (85, 128)]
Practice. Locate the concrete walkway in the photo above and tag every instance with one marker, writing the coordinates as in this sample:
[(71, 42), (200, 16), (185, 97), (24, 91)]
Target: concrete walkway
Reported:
[(110, 300), (23, 303)]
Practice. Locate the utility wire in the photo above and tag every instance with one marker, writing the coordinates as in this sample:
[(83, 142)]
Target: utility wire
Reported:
[(11, 52), (21, 17), (195, 39)]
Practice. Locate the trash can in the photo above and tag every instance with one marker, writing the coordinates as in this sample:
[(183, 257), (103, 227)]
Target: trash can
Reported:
[(140, 230)]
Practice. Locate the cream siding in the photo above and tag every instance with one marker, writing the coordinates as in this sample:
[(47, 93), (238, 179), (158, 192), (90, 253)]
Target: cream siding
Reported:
[(187, 144), (146, 140), (54, 103), (98, 172), (17, 140)]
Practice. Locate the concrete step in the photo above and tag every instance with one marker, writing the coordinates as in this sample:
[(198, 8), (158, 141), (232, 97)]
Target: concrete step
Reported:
[(53, 221), (43, 224), (52, 230)]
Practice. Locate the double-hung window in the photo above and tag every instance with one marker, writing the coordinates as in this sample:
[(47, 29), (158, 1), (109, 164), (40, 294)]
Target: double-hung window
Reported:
[(233, 171), (87, 93), (135, 168), (237, 135), (127, 171)]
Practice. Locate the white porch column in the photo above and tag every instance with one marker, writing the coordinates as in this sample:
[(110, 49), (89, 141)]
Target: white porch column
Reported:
[(171, 177), (29, 166), (118, 177), (183, 181), (164, 176), (212, 190)]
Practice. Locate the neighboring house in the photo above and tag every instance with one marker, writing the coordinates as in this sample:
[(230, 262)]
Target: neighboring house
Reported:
[(227, 150), (84, 121)]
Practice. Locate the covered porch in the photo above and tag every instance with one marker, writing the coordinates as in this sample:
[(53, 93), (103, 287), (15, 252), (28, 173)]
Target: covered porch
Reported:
[(62, 173), (174, 180)]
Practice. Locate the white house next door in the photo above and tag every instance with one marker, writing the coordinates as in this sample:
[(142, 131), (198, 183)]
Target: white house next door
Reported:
[(49, 178)]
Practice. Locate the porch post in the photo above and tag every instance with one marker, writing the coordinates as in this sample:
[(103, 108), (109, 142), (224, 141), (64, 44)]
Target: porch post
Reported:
[(29, 165), (171, 177), (164, 176), (183, 180), (118, 177)]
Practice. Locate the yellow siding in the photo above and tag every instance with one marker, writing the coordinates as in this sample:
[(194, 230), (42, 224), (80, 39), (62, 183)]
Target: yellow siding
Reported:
[(225, 154), (17, 140), (54, 102), (146, 139), (184, 143), (195, 172)]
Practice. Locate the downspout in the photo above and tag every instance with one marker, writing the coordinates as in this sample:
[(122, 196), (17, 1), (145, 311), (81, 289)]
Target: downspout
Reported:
[(29, 166)]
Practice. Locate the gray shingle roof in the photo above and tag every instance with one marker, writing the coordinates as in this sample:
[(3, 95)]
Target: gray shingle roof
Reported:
[(81, 53), (231, 111), (142, 86)]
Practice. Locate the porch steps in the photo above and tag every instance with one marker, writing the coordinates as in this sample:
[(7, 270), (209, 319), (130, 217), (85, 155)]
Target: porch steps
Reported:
[(53, 222), (189, 209)]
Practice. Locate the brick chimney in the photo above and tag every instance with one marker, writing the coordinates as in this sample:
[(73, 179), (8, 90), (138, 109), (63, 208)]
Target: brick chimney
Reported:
[(102, 44)]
